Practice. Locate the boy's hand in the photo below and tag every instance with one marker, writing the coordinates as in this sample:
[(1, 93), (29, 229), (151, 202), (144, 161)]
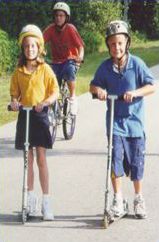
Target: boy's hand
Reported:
[(129, 96), (78, 61)]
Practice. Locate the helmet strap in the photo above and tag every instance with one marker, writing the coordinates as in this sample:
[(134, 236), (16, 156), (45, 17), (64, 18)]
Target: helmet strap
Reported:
[(121, 62)]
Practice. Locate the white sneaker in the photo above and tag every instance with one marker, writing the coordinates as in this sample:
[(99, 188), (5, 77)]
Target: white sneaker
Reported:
[(117, 207), (46, 210), (32, 204), (139, 208), (73, 106)]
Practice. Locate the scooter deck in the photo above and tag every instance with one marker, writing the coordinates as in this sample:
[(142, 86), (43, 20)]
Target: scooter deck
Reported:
[(110, 217)]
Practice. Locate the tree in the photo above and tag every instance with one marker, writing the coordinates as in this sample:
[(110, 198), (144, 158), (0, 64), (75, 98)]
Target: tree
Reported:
[(144, 17)]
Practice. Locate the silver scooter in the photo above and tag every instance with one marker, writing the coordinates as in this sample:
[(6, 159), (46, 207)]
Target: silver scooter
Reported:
[(109, 217)]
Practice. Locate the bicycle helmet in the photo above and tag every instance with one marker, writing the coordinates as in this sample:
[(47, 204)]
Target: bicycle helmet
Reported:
[(32, 30), (62, 7), (117, 27)]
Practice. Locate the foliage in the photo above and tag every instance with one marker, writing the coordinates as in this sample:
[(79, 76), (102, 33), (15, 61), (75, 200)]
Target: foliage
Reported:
[(152, 15), (95, 15), (144, 17), (15, 14), (91, 18), (92, 40), (8, 52), (137, 38)]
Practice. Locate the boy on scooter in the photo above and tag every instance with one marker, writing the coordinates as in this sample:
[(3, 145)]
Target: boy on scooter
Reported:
[(125, 75)]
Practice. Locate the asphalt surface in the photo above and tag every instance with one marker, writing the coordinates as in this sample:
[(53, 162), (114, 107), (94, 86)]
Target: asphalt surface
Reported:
[(77, 182)]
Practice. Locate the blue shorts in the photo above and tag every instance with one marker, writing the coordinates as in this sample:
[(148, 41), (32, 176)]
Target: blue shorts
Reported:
[(128, 157), (66, 71)]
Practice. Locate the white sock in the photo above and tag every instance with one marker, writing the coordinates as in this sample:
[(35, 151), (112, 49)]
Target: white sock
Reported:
[(31, 193), (118, 195), (72, 98), (46, 197)]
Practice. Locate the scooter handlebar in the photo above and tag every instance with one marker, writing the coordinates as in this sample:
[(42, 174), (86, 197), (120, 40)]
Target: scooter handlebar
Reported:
[(45, 108), (121, 97)]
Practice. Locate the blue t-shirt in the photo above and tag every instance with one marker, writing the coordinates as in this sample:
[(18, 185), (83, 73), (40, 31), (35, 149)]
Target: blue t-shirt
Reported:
[(128, 117)]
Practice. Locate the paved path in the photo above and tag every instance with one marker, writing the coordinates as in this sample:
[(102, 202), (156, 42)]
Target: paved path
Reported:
[(77, 178)]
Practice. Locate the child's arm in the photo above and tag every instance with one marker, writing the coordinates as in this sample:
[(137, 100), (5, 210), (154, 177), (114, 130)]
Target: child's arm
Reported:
[(15, 92), (101, 93), (140, 92)]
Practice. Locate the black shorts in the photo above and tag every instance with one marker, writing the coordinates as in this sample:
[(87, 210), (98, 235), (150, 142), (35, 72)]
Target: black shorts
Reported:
[(39, 134)]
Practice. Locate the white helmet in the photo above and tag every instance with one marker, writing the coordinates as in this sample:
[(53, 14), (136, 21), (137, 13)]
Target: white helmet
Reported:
[(63, 7), (117, 27), (32, 30)]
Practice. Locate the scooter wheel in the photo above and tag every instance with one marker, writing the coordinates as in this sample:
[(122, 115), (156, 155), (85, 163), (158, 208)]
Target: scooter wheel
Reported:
[(24, 216), (105, 222)]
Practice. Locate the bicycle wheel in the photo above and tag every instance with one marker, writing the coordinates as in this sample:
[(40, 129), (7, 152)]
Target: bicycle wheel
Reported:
[(52, 121), (69, 121)]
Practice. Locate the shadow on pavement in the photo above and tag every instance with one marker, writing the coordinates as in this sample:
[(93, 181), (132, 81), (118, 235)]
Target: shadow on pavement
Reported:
[(15, 219), (7, 148), (60, 222), (10, 219)]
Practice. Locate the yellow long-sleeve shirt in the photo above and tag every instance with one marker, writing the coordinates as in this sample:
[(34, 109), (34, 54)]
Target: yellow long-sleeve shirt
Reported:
[(33, 88)]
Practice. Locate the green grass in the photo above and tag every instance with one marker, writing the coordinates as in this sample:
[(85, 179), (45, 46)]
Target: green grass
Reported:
[(5, 116), (148, 51)]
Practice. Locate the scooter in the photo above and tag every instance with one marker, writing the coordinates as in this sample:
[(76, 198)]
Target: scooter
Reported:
[(109, 216), (25, 171)]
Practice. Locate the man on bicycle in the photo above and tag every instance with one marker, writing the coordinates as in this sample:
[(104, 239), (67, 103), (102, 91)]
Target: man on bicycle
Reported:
[(67, 49)]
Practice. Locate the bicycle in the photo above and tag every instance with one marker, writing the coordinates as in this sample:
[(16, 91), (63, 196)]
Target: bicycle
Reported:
[(59, 114)]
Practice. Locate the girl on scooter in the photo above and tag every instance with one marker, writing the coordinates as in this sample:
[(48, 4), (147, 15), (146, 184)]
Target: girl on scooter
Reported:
[(33, 83)]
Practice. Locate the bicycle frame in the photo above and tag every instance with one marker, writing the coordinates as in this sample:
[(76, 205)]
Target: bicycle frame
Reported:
[(61, 114)]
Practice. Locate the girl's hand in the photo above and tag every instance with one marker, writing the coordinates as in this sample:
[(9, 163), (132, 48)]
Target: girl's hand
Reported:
[(15, 105), (39, 107)]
